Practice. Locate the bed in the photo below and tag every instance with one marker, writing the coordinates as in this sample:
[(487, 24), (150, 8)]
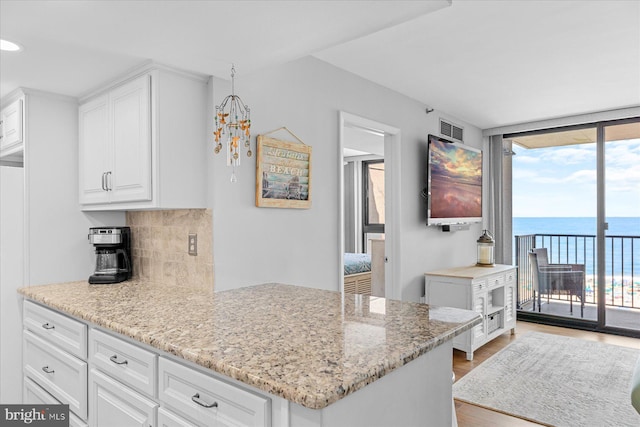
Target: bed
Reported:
[(357, 273)]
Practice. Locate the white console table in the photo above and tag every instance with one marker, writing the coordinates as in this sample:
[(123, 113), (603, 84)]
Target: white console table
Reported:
[(491, 291)]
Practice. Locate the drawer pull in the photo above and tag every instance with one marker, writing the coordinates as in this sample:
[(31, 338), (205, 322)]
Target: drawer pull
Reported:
[(48, 326), (114, 359), (47, 370), (196, 399)]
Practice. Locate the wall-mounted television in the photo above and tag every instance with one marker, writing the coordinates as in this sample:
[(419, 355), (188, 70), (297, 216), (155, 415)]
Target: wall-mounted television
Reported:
[(454, 183)]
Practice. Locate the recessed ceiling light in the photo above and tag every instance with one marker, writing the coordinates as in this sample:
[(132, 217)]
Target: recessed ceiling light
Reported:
[(8, 46)]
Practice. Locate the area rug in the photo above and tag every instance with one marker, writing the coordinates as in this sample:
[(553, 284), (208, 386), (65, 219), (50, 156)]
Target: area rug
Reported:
[(557, 381)]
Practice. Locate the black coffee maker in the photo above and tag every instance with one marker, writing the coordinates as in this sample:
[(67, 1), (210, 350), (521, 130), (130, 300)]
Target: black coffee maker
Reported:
[(113, 254)]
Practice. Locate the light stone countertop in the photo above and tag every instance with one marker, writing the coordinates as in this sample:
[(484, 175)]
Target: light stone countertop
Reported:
[(471, 271), (305, 345)]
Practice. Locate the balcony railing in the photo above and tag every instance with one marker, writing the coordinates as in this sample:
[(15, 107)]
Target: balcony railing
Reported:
[(622, 270)]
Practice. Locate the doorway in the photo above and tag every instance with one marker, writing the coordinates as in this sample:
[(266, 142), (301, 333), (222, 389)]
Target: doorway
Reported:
[(369, 153)]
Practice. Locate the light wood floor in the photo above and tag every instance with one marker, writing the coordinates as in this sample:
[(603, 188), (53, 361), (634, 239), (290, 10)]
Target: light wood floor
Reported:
[(474, 416)]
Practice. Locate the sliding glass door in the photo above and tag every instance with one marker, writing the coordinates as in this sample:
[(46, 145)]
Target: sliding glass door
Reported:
[(620, 294), (576, 205), (555, 220)]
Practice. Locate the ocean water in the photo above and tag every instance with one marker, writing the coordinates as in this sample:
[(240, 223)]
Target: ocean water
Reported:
[(622, 245), (618, 226)]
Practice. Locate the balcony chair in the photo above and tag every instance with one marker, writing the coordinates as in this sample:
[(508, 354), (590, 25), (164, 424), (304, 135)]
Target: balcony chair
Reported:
[(556, 278)]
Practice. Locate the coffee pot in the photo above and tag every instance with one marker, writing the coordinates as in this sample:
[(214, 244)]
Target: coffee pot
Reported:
[(113, 259)]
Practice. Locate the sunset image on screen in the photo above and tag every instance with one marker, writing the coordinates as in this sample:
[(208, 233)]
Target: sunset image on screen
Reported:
[(456, 181)]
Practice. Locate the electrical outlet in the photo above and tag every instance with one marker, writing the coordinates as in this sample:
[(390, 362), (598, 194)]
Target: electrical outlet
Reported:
[(193, 244)]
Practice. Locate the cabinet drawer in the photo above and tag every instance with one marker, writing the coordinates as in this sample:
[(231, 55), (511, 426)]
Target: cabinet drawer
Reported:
[(33, 394), (66, 333), (495, 281), (61, 374), (114, 404), (167, 418), (207, 400), (128, 363), (478, 286)]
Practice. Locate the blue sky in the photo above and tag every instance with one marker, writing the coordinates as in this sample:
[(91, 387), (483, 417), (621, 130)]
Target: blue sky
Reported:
[(561, 181)]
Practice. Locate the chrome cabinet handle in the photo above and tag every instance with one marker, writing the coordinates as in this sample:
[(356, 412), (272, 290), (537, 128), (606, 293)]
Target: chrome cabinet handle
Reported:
[(48, 326), (114, 359), (108, 181), (47, 370), (196, 399), (104, 175)]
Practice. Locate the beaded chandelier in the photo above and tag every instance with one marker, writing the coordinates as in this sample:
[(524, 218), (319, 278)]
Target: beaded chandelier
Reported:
[(233, 121)]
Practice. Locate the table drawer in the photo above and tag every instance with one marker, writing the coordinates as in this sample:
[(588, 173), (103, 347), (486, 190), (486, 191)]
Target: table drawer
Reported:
[(64, 332), (128, 363), (495, 281), (61, 374), (207, 400)]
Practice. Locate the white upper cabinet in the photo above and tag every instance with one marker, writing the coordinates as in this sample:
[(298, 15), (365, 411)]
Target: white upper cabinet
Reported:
[(94, 160), (11, 131), (143, 143), (115, 145)]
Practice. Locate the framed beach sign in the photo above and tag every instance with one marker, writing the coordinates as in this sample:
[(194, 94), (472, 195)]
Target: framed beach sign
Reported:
[(283, 173)]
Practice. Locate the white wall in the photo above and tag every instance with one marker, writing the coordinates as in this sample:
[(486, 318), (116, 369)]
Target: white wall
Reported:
[(256, 245), (11, 267), (57, 246)]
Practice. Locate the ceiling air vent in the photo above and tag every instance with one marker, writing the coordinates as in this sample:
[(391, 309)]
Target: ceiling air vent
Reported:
[(451, 130)]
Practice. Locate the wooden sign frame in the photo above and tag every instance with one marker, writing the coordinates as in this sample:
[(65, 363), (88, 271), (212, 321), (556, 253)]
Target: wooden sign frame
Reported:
[(283, 174)]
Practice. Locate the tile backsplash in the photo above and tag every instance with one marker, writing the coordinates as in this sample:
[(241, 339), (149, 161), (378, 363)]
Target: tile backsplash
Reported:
[(159, 246)]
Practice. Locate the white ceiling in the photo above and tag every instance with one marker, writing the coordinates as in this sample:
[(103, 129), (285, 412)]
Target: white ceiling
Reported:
[(490, 63)]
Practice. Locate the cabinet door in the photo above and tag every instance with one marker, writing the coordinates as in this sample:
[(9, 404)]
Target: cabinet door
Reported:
[(94, 151), (113, 404), (510, 300), (480, 306), (129, 179), (11, 135)]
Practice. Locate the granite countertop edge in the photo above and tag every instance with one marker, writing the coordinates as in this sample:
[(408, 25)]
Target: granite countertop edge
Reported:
[(310, 400)]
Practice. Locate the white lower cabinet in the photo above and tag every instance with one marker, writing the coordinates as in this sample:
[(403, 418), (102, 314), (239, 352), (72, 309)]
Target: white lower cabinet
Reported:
[(130, 364), (208, 401), (167, 418), (53, 356), (32, 393), (63, 375), (121, 382), (66, 333), (124, 383), (113, 404), (128, 383)]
